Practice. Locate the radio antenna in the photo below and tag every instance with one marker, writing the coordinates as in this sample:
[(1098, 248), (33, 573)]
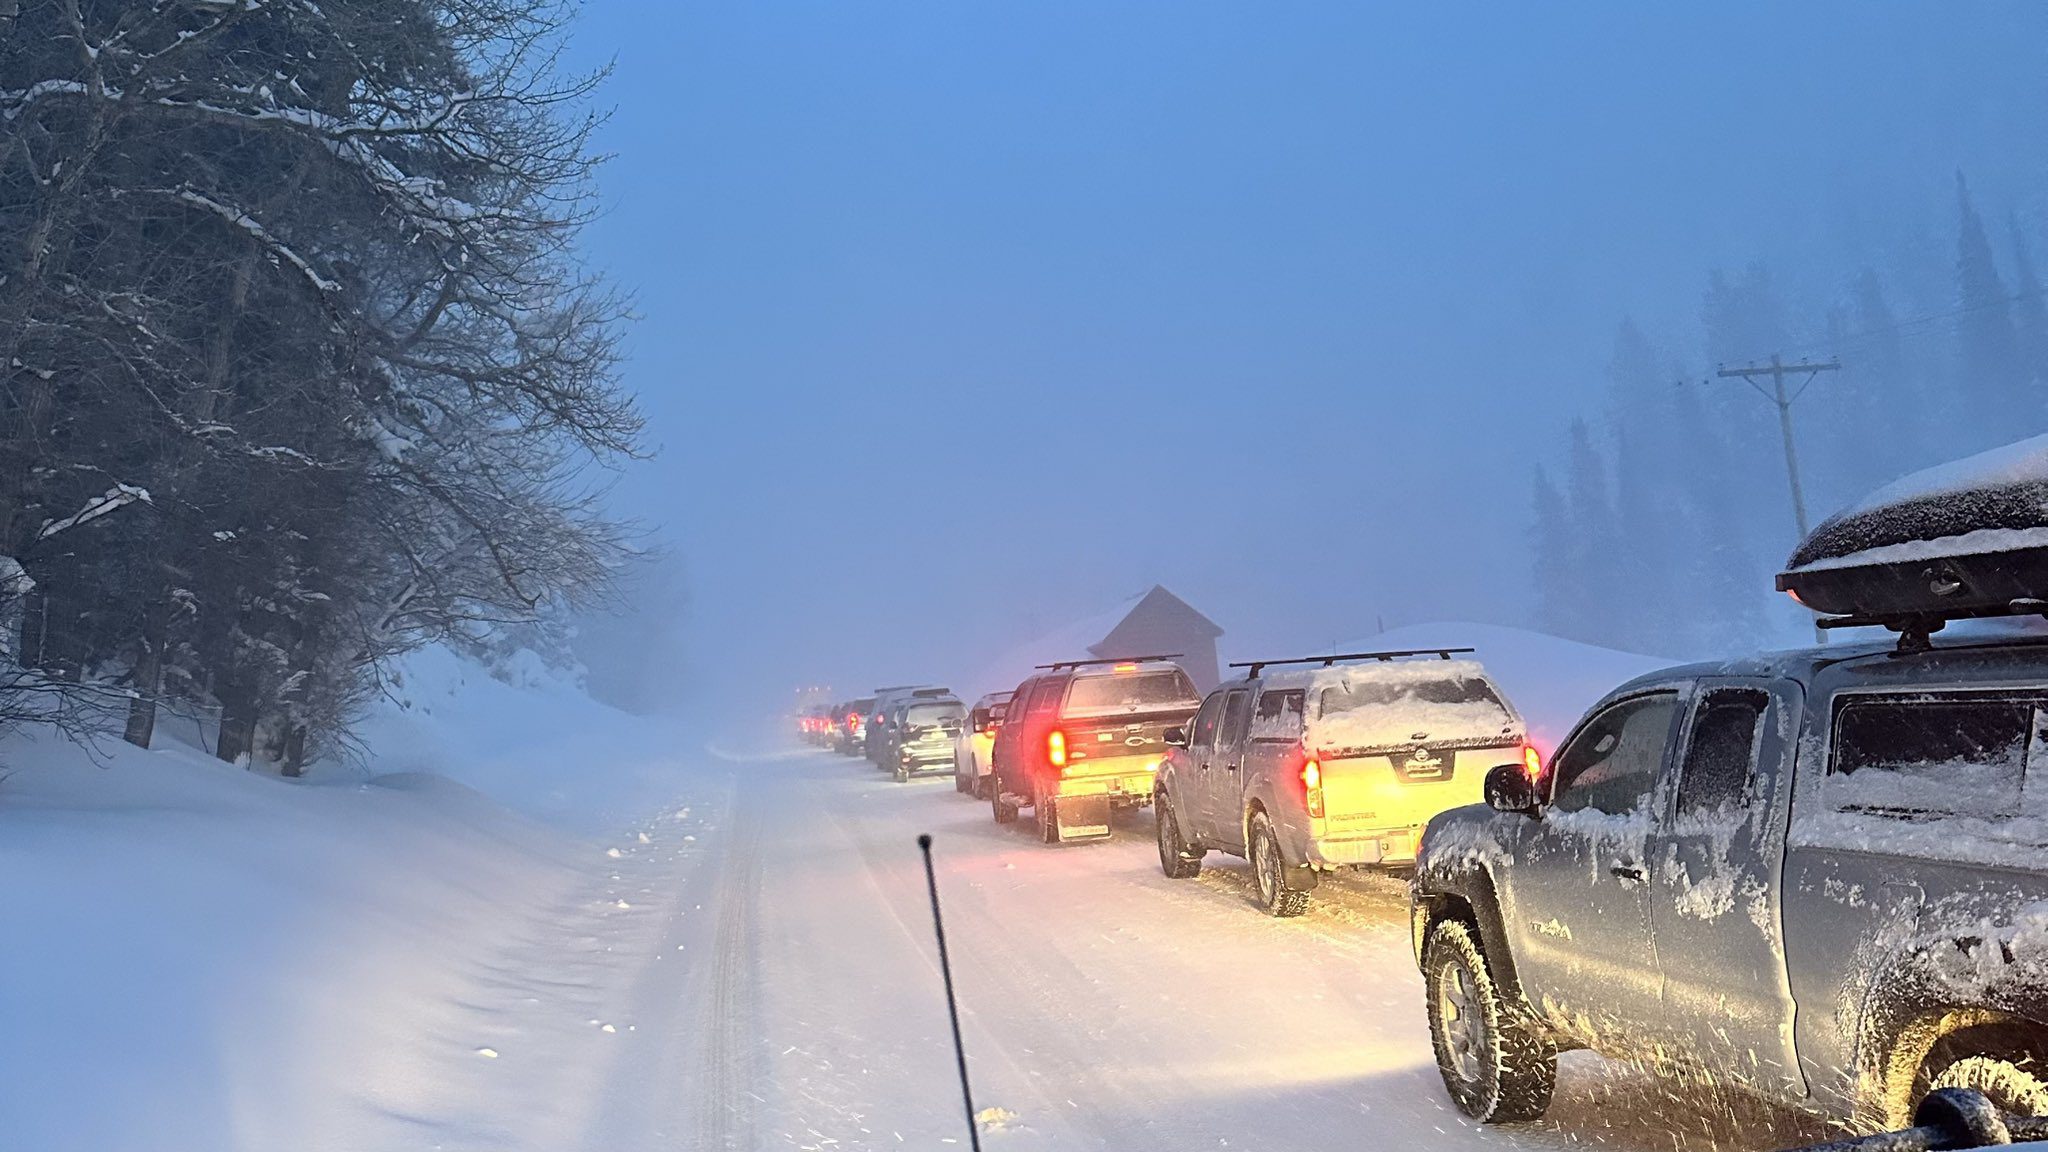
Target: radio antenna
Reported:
[(931, 882)]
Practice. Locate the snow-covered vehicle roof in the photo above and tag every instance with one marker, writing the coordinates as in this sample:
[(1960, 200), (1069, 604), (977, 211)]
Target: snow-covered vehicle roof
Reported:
[(1966, 538), (1400, 704)]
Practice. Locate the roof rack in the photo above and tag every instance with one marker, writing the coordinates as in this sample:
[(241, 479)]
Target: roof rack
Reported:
[(1916, 630), (895, 687), (1059, 664), (1258, 666)]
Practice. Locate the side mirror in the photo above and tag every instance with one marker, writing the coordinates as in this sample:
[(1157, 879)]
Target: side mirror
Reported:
[(1509, 789), (1176, 737)]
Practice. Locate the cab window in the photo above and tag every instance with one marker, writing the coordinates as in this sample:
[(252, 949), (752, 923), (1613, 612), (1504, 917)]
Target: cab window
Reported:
[(1204, 733), (1278, 716), (1720, 759), (1237, 709), (1611, 766), (1045, 699)]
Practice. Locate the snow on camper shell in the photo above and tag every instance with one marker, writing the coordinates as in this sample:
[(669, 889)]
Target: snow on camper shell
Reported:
[(1390, 705)]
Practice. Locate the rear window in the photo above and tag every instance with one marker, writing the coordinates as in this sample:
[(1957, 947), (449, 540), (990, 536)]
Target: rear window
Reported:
[(928, 714), (1131, 692), (1931, 757), (1370, 694)]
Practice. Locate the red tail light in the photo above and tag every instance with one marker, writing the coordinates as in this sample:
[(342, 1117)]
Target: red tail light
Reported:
[(1312, 786), (1532, 762), (1056, 748)]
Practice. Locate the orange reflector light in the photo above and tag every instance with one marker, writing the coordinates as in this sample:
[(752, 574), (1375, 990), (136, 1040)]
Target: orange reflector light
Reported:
[(1056, 748)]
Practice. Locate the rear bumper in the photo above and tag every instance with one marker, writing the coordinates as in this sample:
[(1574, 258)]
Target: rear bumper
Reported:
[(1380, 846), (1127, 781)]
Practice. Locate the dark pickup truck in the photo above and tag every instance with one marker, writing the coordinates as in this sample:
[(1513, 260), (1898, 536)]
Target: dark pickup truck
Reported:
[(1083, 738)]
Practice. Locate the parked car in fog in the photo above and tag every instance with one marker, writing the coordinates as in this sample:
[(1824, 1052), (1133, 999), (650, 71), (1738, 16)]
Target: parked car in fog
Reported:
[(1820, 876), (1083, 738), (974, 751), (925, 730), (1301, 770), (877, 743), (885, 725)]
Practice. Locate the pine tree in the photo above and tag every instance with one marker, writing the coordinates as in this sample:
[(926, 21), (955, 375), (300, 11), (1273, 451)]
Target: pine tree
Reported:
[(1596, 540), (1559, 590), (1648, 516), (2029, 314), (1988, 366)]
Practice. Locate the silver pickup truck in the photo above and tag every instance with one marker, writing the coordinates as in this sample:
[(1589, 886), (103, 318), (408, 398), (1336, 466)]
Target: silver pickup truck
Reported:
[(1821, 877)]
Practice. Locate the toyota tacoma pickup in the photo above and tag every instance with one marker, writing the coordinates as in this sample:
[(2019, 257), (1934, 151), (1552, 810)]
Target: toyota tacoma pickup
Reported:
[(1821, 877)]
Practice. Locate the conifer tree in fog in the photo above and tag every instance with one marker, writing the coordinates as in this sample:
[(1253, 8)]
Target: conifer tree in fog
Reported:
[(1990, 377), (298, 368), (2029, 317), (1559, 591)]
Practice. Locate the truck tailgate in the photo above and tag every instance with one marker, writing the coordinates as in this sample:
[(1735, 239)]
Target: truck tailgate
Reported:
[(1365, 793)]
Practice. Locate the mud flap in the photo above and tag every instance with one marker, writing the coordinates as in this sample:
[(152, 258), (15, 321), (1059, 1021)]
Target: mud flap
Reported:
[(1081, 817)]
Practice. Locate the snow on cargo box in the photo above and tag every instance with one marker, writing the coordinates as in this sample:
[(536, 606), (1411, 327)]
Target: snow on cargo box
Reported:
[(1967, 538)]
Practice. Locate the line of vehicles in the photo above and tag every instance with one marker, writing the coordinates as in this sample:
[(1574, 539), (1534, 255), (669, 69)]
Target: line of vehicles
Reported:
[(1820, 876), (1299, 766)]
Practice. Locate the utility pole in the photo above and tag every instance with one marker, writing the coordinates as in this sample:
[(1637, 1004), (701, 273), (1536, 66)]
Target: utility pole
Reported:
[(1777, 370)]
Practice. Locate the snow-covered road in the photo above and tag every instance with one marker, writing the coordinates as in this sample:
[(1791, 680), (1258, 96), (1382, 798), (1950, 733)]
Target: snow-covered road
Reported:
[(759, 972)]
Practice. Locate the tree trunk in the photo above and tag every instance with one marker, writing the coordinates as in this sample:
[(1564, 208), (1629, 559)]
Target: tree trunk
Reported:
[(237, 725)]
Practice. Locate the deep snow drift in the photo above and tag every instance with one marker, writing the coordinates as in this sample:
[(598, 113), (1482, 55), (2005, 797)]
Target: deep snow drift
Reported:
[(200, 957)]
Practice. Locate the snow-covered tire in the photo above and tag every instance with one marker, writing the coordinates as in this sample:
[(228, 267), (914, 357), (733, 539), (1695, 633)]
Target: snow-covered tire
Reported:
[(1281, 891), (1044, 809), (2014, 1086), (1176, 859), (1497, 1068), (902, 774), (980, 787), (1004, 813)]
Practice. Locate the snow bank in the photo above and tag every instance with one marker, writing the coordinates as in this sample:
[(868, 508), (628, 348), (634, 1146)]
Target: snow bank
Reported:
[(1549, 681), (203, 958), (543, 747)]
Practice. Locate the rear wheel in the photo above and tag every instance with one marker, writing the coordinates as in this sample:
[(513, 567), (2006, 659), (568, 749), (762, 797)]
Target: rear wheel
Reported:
[(1282, 891), (1004, 813), (1497, 1068), (1045, 809), (902, 774), (1176, 859)]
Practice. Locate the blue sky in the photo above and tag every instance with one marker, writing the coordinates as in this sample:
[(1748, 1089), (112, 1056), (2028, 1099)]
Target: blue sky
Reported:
[(961, 320)]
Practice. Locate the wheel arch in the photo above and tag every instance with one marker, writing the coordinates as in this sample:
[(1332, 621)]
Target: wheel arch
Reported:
[(1470, 899)]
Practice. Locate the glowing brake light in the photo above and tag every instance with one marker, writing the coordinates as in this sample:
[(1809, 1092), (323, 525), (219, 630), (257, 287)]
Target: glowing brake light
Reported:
[(1056, 748), (1312, 787), (1532, 762), (1125, 668)]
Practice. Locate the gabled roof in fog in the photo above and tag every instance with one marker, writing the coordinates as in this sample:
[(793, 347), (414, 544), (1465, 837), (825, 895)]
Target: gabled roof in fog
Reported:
[(1104, 634), (1154, 612)]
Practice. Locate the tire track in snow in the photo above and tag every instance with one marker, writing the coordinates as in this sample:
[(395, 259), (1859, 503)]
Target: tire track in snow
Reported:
[(727, 1105)]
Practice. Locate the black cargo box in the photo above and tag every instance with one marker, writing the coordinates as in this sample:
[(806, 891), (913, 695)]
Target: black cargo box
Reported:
[(1965, 539)]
